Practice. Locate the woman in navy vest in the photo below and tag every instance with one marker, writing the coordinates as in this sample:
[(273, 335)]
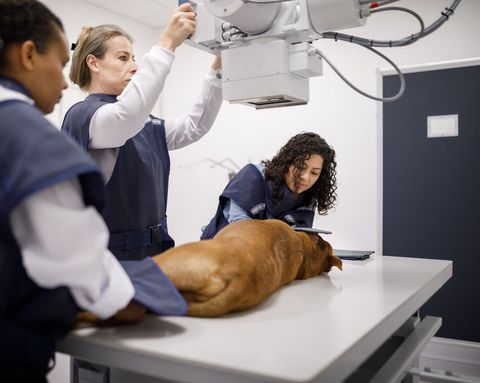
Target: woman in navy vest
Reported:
[(53, 242), (54, 259), (298, 180), (129, 144)]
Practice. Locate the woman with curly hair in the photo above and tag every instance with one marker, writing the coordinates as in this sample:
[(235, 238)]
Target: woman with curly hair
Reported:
[(299, 179)]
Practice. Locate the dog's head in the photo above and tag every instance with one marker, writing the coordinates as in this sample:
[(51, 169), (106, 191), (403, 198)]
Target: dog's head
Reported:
[(318, 256)]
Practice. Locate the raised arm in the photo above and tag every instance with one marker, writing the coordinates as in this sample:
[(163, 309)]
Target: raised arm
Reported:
[(182, 131), (113, 124)]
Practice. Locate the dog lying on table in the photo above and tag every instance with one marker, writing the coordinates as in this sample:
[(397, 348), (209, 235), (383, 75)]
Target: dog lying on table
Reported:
[(244, 263)]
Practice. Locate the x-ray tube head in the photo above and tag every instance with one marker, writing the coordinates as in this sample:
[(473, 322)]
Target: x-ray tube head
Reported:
[(268, 74), (251, 18), (266, 45)]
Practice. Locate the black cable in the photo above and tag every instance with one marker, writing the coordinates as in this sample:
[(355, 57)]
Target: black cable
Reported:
[(383, 43), (385, 99), (402, 9), (396, 43)]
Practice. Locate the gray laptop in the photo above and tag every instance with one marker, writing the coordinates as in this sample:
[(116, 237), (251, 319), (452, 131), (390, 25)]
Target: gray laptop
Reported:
[(311, 230), (354, 255)]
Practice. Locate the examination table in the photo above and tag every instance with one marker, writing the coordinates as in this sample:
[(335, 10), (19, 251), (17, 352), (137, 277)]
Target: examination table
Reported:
[(355, 325)]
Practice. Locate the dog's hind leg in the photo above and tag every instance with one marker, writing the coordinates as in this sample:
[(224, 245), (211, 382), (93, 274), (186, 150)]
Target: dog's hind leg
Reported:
[(196, 278), (227, 300)]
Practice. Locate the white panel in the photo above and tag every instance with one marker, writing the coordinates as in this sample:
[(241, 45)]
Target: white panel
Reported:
[(157, 20), (99, 2), (255, 60), (153, 13), (141, 10), (170, 4), (442, 126)]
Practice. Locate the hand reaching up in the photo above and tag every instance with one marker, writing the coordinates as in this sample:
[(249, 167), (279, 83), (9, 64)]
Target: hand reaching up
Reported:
[(181, 25)]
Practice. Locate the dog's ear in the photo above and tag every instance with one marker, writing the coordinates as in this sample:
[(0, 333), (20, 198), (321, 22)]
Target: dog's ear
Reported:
[(322, 244), (334, 261), (314, 237)]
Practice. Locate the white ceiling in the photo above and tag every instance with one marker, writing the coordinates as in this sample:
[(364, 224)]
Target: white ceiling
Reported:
[(153, 13)]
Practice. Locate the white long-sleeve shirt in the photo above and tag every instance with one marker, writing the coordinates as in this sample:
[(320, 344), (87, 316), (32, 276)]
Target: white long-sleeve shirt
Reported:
[(64, 243), (113, 124)]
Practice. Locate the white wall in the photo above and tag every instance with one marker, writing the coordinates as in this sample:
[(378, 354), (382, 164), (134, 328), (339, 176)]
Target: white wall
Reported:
[(344, 118)]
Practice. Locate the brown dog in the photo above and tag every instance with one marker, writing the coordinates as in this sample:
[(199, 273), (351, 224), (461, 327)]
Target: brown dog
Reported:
[(243, 264)]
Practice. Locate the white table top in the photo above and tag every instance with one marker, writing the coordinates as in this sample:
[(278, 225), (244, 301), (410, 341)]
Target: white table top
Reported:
[(320, 329)]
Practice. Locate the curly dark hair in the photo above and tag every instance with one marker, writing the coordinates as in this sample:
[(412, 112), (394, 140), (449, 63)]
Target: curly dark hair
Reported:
[(22, 20), (296, 151)]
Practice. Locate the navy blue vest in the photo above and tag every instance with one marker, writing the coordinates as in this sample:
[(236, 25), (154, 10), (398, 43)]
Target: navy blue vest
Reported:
[(33, 156), (255, 195), (136, 204)]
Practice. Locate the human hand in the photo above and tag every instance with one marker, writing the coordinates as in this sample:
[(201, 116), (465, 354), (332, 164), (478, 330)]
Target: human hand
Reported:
[(217, 63), (180, 26), (129, 315)]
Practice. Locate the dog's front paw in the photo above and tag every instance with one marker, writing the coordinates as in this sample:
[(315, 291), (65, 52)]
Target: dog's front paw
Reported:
[(85, 318)]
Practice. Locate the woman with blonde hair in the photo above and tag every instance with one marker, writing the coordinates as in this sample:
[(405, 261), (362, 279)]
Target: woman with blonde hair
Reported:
[(54, 259), (129, 144)]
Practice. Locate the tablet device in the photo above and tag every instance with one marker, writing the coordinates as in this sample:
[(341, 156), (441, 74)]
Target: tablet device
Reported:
[(354, 255), (311, 230)]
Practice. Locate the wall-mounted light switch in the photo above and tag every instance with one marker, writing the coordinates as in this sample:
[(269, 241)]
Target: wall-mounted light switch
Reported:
[(442, 126)]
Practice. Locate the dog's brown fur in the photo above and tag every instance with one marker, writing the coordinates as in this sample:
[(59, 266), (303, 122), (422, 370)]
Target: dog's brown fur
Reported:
[(244, 263)]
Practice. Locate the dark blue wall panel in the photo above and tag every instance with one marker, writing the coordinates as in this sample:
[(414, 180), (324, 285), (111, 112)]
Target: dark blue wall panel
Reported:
[(431, 188)]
